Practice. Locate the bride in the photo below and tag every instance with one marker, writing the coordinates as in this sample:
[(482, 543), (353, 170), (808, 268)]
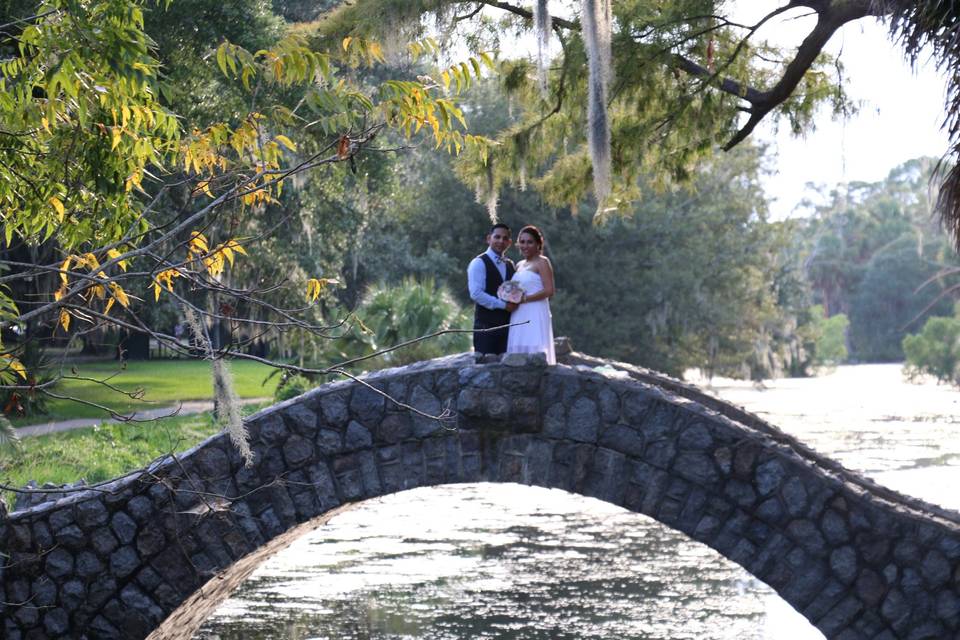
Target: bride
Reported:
[(535, 275)]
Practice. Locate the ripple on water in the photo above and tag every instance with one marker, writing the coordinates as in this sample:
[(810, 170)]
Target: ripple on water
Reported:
[(493, 561)]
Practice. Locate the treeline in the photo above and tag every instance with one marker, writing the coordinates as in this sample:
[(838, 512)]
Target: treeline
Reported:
[(875, 253)]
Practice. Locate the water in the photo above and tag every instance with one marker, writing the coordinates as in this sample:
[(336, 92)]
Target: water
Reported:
[(505, 561)]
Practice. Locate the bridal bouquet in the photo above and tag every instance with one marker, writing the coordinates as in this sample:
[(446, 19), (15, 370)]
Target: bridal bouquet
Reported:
[(510, 291)]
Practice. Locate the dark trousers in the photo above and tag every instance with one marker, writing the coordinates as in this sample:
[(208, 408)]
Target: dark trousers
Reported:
[(490, 341)]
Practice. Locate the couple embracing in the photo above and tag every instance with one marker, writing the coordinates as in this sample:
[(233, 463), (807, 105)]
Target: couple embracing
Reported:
[(508, 294)]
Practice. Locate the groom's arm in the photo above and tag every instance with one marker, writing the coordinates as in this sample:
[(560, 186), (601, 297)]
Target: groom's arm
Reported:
[(477, 282)]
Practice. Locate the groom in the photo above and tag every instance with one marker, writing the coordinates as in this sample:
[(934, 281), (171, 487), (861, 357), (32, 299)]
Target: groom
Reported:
[(485, 274)]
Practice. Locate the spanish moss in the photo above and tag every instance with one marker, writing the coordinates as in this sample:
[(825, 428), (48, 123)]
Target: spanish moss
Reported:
[(596, 22), (227, 403), (491, 193), (542, 22)]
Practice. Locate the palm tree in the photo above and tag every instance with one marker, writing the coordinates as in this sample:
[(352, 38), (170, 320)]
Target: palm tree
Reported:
[(410, 310)]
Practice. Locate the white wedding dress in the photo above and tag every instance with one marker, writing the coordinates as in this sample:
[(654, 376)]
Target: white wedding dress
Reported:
[(537, 335)]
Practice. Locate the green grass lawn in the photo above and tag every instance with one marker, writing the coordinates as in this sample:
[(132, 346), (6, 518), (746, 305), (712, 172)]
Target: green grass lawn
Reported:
[(165, 382), (102, 452)]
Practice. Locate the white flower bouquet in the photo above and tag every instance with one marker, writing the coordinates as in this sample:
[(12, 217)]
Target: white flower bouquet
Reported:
[(510, 291)]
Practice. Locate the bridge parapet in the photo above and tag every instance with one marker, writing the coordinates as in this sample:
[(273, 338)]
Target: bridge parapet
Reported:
[(120, 560)]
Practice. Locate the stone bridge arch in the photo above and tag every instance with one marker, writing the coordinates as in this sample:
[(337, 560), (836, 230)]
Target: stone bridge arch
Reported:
[(119, 561)]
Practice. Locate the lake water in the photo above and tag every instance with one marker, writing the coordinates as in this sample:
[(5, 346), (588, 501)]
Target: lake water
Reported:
[(508, 561)]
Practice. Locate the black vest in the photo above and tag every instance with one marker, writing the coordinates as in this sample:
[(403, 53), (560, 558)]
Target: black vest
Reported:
[(492, 281)]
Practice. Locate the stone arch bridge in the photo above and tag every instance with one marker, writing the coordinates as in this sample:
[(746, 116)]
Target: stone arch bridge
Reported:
[(151, 553)]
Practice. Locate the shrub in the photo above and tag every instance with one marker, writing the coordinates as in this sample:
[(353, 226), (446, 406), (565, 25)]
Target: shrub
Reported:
[(935, 350), (830, 337), (291, 387)]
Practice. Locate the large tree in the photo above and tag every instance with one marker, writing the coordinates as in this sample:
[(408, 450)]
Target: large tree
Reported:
[(136, 170), (653, 86)]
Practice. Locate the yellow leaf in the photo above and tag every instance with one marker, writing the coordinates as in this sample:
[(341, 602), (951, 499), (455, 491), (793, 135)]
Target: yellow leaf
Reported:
[(99, 291), (156, 291), (204, 185), (315, 286), (55, 201), (198, 242), (17, 366), (59, 293), (237, 247), (346, 42), (46, 124), (64, 267), (110, 302), (287, 142), (65, 319), (113, 253), (119, 294), (115, 135)]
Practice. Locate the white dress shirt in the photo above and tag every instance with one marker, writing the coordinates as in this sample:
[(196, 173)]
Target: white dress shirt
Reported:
[(477, 281)]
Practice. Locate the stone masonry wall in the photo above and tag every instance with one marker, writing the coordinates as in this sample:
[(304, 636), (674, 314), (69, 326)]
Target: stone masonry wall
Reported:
[(116, 560)]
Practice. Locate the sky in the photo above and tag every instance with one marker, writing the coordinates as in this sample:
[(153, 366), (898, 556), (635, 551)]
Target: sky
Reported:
[(900, 114)]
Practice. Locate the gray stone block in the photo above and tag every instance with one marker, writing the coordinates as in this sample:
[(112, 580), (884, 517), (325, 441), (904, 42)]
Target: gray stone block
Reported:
[(329, 442), (524, 360), (367, 405), (428, 403), (297, 451), (124, 561), (302, 418), (660, 453), (56, 622), (741, 493), (624, 439), (211, 462), (333, 409), (72, 594), (525, 382), (140, 508), (583, 421), (843, 564), (61, 518), (805, 533), (555, 421), (840, 616), (873, 548), (525, 414), (71, 537), (272, 428), (870, 587), (59, 563), (88, 565), (43, 592), (609, 403), (42, 536), (91, 513), (695, 437), (138, 601), (834, 528), (560, 385), (636, 405), (124, 527), (696, 467), (769, 476), (935, 569), (150, 541)]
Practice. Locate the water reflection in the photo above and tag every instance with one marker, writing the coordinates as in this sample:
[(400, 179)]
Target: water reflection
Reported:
[(492, 561), (503, 561)]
